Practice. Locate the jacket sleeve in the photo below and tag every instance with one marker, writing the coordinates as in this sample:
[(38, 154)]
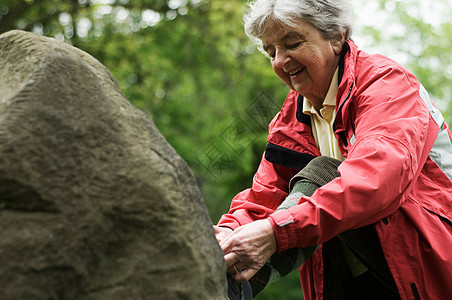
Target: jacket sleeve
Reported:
[(288, 150), (394, 134), (269, 189)]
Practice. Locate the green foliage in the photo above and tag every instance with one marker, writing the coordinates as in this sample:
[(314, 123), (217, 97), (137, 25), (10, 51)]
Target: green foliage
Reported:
[(286, 288)]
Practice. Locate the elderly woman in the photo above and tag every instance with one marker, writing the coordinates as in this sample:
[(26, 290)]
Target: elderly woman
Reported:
[(372, 218)]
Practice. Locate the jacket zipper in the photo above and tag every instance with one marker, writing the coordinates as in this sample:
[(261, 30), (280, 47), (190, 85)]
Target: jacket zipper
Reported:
[(343, 135), (346, 98), (415, 291)]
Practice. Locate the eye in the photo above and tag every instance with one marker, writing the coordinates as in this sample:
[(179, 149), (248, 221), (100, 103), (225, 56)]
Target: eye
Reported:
[(270, 51), (293, 45)]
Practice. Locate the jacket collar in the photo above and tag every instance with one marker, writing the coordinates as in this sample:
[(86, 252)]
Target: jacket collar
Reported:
[(347, 66)]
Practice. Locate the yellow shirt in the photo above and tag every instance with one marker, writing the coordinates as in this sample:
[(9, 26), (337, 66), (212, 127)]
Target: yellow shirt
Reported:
[(322, 130), (322, 122)]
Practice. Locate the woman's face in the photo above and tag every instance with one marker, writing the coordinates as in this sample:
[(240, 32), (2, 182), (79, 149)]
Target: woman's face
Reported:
[(303, 58)]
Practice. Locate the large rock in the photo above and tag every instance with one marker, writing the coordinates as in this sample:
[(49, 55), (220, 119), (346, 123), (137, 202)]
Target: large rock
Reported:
[(94, 203)]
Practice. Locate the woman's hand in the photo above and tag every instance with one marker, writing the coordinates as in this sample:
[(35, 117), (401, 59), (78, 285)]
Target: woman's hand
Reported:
[(221, 232), (247, 249)]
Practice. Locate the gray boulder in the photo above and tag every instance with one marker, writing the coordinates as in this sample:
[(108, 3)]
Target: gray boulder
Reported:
[(94, 203)]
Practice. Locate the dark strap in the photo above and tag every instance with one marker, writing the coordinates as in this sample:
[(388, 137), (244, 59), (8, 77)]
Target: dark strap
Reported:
[(364, 244)]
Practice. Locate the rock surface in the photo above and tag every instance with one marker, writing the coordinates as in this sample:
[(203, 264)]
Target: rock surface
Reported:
[(94, 203)]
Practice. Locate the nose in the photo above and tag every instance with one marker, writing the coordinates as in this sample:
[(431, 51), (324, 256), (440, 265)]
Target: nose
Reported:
[(281, 58)]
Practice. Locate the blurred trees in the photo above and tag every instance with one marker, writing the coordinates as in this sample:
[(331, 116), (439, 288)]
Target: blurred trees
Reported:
[(417, 34), (190, 67)]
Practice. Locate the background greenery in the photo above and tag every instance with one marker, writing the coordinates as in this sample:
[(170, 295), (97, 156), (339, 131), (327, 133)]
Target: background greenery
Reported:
[(190, 67)]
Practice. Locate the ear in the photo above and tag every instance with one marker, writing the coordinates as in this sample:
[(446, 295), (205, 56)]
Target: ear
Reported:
[(337, 43)]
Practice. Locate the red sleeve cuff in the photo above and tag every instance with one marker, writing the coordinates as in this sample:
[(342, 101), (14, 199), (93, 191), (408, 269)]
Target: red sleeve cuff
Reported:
[(237, 219), (229, 222), (284, 227)]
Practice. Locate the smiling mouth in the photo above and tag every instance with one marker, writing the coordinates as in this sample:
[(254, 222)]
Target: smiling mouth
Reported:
[(295, 71)]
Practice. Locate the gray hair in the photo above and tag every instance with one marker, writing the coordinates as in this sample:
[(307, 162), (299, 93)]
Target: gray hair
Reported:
[(331, 17)]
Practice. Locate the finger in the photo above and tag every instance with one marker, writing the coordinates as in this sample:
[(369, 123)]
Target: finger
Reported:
[(217, 229), (221, 233), (231, 259), (230, 241), (226, 244), (218, 233), (234, 269), (224, 230), (231, 270), (244, 275)]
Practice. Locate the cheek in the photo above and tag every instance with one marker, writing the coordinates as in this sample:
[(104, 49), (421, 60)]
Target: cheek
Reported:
[(280, 74)]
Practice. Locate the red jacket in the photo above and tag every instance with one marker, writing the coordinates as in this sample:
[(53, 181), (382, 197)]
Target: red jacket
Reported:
[(396, 175)]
